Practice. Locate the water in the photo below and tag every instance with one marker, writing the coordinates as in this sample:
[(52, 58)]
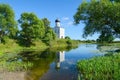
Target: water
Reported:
[(62, 64), (55, 64)]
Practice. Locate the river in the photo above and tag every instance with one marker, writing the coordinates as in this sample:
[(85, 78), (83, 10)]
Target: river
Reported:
[(56, 64), (63, 66)]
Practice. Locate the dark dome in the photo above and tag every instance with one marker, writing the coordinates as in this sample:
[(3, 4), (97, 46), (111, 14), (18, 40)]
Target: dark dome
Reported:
[(57, 20)]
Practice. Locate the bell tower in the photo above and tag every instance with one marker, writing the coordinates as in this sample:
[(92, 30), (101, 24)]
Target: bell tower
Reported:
[(60, 31), (57, 22)]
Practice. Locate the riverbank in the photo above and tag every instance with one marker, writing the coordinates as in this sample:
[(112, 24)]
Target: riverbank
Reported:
[(10, 52), (105, 66), (42, 65), (12, 46)]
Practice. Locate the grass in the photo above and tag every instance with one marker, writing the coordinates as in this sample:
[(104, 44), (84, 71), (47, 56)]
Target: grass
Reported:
[(15, 66), (100, 68), (10, 46), (64, 43), (9, 62), (13, 47), (10, 50)]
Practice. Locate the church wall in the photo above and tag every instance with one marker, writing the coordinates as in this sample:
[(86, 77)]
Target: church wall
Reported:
[(62, 33)]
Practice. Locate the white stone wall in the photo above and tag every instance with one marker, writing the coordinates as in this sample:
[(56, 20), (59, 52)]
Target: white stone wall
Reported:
[(60, 32)]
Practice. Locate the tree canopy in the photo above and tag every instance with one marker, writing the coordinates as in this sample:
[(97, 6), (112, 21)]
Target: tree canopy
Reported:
[(8, 25), (100, 16), (46, 22), (32, 28), (49, 33), (67, 37)]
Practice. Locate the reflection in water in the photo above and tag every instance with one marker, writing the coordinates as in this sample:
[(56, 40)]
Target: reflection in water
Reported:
[(107, 48), (41, 61), (41, 64), (60, 57), (54, 64)]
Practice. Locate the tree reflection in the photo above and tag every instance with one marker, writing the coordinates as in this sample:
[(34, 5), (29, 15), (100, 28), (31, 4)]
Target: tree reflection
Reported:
[(40, 61), (108, 48)]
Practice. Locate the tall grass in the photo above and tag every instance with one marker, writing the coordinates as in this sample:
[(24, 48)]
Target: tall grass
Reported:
[(100, 68), (15, 66), (63, 43), (9, 46)]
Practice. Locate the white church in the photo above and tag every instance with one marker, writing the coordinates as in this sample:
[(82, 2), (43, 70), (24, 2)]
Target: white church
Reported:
[(60, 32)]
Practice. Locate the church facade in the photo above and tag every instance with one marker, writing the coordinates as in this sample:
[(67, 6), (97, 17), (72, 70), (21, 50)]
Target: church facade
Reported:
[(60, 32)]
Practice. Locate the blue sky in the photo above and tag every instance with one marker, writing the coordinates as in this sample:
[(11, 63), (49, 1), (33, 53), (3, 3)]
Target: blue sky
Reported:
[(52, 9)]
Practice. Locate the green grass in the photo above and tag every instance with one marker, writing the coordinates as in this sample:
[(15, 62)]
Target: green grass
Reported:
[(100, 68), (12, 46), (64, 43), (15, 66), (10, 50)]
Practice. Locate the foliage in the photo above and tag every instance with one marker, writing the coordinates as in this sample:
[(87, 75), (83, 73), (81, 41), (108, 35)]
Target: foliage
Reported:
[(46, 23), (106, 66), (49, 36), (100, 16), (15, 66), (102, 38), (115, 0), (67, 37), (32, 28), (8, 25), (10, 46), (90, 41), (49, 33), (69, 42)]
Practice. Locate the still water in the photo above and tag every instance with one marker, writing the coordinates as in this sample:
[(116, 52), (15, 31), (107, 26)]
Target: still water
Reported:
[(55, 64), (61, 65)]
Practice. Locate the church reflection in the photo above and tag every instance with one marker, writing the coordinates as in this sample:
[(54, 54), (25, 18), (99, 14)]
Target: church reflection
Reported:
[(60, 57)]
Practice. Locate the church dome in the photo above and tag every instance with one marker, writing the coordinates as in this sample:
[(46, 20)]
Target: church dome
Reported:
[(57, 20)]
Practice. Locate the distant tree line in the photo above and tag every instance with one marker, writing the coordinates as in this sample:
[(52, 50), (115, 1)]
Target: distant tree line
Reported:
[(31, 27)]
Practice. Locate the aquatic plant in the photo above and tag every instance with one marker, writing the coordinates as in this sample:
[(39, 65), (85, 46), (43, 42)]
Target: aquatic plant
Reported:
[(100, 68)]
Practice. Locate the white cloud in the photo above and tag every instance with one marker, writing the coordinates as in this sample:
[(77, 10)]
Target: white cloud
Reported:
[(65, 18), (70, 23)]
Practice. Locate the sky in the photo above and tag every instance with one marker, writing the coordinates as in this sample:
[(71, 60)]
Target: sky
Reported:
[(52, 9)]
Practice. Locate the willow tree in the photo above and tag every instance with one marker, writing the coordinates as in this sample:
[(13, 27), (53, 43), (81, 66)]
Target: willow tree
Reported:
[(8, 25), (100, 16), (32, 28)]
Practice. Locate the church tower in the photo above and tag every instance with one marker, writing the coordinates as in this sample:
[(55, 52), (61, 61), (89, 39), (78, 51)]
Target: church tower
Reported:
[(60, 32)]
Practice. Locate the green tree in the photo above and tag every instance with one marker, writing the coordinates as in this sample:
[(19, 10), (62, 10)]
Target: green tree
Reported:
[(32, 28), (46, 23), (100, 16), (49, 33), (8, 25), (115, 0), (49, 36), (67, 37)]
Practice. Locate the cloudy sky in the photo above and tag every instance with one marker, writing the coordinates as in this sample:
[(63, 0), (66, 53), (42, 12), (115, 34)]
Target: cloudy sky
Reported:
[(52, 9)]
